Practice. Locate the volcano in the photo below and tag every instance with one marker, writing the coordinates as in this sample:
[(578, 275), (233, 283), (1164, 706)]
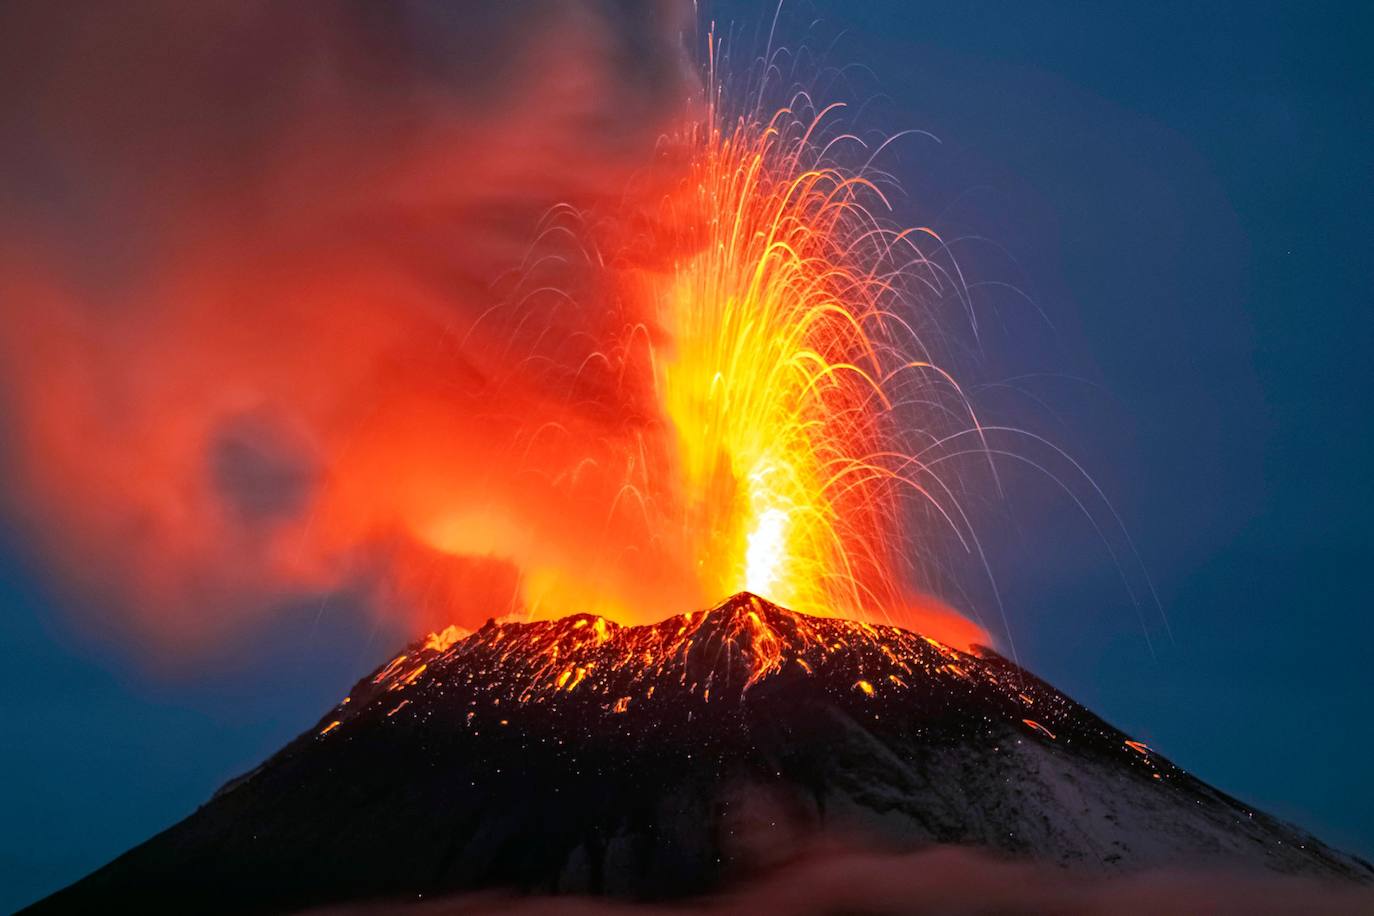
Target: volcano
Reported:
[(580, 756)]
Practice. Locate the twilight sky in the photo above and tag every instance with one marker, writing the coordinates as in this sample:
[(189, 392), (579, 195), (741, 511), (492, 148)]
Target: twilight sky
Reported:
[(1168, 210)]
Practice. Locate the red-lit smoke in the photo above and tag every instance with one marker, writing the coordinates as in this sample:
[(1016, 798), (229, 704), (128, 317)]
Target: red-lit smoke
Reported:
[(297, 299)]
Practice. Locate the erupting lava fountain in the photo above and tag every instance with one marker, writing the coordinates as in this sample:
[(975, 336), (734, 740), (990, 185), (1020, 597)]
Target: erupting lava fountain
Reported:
[(809, 427)]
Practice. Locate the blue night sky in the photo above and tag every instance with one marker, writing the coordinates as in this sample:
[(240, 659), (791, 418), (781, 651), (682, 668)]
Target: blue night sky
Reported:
[(1184, 191)]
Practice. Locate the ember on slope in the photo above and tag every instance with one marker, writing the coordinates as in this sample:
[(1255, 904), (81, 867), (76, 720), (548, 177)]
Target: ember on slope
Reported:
[(604, 669)]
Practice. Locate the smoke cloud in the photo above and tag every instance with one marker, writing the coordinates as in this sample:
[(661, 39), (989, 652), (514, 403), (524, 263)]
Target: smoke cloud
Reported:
[(356, 297), (303, 297), (946, 880)]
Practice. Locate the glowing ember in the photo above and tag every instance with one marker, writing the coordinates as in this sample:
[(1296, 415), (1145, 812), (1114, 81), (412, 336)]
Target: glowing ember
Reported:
[(687, 670), (728, 650), (446, 637)]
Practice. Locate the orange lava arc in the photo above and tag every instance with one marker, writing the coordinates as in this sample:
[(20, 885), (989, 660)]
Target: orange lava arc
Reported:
[(796, 371)]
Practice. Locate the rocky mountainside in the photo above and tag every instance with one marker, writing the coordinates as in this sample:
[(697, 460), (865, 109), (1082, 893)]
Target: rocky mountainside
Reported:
[(654, 761)]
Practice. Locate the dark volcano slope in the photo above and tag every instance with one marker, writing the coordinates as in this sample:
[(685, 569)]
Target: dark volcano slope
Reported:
[(656, 761)]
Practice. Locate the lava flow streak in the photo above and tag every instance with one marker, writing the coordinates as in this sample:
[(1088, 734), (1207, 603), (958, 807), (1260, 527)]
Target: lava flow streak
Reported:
[(717, 662)]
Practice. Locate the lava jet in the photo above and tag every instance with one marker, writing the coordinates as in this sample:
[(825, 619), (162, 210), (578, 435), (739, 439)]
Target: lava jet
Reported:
[(582, 756)]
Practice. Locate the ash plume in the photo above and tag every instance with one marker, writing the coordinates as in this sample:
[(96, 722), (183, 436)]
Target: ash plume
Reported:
[(291, 300)]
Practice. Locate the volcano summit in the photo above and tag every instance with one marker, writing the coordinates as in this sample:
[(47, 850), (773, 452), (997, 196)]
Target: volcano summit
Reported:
[(578, 755)]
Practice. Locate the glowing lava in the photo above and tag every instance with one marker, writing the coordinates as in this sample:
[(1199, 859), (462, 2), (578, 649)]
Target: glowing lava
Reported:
[(792, 416), (706, 663), (755, 410), (587, 350), (799, 391)]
